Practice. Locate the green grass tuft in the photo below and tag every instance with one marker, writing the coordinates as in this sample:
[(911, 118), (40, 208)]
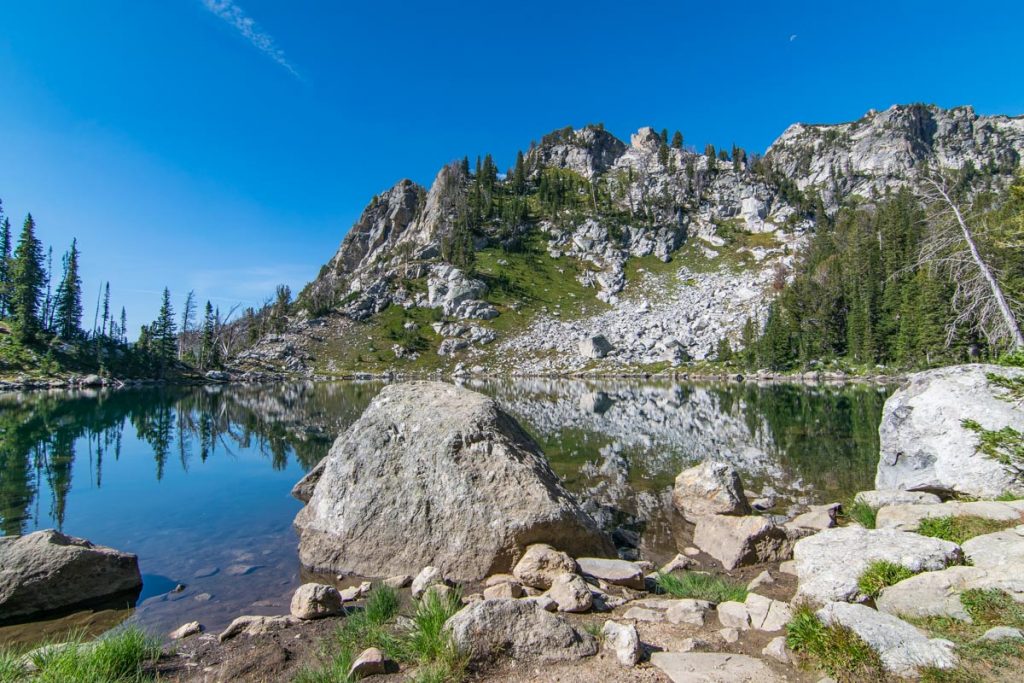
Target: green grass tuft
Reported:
[(702, 587), (835, 649), (119, 657), (863, 514), (960, 529), (881, 574)]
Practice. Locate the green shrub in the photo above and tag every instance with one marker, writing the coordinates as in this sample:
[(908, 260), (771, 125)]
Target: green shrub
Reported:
[(882, 574), (701, 586), (960, 529), (835, 649)]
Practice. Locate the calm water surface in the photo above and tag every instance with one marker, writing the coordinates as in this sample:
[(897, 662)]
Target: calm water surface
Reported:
[(196, 481)]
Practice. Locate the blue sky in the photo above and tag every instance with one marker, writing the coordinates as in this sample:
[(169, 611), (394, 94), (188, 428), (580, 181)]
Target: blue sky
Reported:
[(227, 146)]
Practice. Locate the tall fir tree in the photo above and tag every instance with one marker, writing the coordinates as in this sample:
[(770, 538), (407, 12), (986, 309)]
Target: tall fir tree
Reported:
[(163, 334), (27, 277), (68, 307), (6, 245), (677, 140)]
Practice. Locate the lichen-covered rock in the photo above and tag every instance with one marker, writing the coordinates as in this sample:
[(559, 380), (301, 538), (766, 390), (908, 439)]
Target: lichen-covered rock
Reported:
[(1000, 549), (924, 445), (520, 629), (710, 488), (909, 517), (829, 563), (433, 474), (47, 570), (937, 593)]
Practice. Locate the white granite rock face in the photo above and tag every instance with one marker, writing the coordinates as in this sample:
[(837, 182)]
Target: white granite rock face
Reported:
[(924, 445)]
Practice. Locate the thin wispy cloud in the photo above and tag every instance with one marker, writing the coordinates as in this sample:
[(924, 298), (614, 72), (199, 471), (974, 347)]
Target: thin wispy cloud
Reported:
[(236, 17), (792, 37)]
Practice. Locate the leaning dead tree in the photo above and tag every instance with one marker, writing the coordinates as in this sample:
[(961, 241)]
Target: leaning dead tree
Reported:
[(950, 246)]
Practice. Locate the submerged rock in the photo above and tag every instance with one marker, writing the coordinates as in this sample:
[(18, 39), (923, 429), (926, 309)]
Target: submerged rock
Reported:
[(710, 488), (924, 445), (520, 629), (47, 570), (433, 474)]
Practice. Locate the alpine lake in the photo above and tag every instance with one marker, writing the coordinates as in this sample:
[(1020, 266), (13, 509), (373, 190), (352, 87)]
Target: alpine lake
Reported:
[(196, 480)]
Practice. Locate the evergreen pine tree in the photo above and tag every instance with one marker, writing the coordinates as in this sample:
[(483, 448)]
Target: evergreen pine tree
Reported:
[(163, 334), (124, 326), (5, 264), (664, 136), (68, 307), (677, 140), (206, 341), (27, 278), (519, 175)]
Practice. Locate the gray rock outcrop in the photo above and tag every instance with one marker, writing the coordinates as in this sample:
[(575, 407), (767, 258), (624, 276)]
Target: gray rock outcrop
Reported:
[(46, 571), (902, 648), (924, 445), (829, 563), (432, 474)]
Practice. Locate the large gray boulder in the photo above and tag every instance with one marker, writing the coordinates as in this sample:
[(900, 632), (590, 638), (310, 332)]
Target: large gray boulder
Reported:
[(744, 541), (520, 629), (924, 445), (435, 475), (829, 563), (46, 571), (937, 594)]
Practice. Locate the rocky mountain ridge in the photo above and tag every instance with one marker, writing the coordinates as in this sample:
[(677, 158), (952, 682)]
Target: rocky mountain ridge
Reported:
[(726, 226)]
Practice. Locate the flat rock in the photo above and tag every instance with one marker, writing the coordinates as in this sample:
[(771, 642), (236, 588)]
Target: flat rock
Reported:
[(520, 629), (615, 572), (924, 445), (508, 589), (447, 468), (733, 614), (908, 517), (1003, 633), (541, 563), (677, 563), (902, 648), (398, 581), (47, 570), (937, 593), (767, 614), (743, 541), (710, 488), (254, 625), (829, 563), (817, 517), (880, 498), (713, 667), (205, 572), (623, 641), (1002, 548)]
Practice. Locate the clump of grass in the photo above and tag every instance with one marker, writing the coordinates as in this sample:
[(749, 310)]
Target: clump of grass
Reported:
[(335, 670), (429, 644), (1007, 496), (120, 657), (833, 648), (960, 529), (863, 514), (701, 586), (881, 574)]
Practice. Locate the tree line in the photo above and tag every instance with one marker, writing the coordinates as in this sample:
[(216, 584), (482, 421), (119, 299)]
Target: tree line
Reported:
[(910, 280)]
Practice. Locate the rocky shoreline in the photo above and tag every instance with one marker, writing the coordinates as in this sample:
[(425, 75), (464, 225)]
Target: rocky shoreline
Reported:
[(465, 511)]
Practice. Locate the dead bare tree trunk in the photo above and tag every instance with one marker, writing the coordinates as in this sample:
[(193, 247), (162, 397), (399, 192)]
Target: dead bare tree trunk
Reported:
[(979, 292)]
